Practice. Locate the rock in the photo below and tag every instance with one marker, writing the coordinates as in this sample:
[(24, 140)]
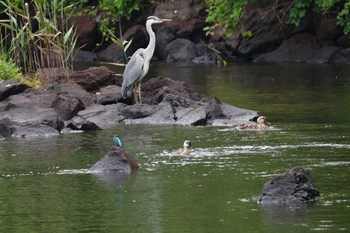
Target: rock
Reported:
[(341, 57), (34, 115), (85, 56), (113, 53), (181, 9), (79, 123), (11, 87), (301, 48), (180, 50), (9, 128), (74, 89), (266, 29), (103, 116), (294, 186), (87, 31), (94, 78), (116, 160), (67, 106), (139, 37), (109, 95), (155, 90), (6, 129), (164, 36), (52, 75)]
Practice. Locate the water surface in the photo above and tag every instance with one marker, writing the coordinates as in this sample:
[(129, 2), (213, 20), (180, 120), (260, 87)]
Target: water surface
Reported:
[(46, 186)]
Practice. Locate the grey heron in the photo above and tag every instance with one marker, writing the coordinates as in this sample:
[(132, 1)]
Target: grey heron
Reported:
[(138, 64)]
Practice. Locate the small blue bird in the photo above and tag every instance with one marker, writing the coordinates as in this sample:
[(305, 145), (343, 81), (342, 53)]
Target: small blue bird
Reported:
[(117, 141)]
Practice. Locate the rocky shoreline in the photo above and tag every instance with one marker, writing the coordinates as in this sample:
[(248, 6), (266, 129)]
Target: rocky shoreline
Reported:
[(318, 39), (92, 100)]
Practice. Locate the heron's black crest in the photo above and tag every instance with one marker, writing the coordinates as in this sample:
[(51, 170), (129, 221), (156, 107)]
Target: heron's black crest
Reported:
[(152, 17)]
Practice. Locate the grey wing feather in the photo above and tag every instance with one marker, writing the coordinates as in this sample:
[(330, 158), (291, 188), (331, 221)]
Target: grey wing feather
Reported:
[(132, 72)]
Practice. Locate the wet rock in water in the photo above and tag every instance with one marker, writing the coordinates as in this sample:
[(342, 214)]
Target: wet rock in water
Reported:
[(79, 123), (11, 87), (116, 160), (9, 128), (166, 101), (294, 186), (69, 107)]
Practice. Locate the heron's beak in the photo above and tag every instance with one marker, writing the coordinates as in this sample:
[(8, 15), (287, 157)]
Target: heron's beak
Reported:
[(165, 20)]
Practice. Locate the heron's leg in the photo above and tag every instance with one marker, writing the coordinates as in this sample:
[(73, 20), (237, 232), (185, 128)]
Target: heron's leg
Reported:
[(135, 96), (139, 90)]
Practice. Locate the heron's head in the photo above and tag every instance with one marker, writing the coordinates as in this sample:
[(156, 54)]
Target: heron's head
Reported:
[(155, 19), (261, 120), (187, 144), (117, 141)]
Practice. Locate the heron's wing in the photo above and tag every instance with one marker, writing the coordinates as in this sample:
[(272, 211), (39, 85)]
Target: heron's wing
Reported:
[(133, 71)]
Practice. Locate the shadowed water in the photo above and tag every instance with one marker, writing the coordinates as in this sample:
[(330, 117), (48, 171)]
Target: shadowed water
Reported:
[(46, 185)]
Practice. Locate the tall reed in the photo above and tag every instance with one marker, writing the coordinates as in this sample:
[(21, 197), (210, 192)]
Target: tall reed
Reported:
[(38, 34)]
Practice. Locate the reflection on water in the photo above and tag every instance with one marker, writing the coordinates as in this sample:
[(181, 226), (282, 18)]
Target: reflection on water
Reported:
[(45, 183)]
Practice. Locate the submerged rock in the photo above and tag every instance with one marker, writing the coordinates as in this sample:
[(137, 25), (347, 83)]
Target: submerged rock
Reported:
[(294, 186), (116, 160)]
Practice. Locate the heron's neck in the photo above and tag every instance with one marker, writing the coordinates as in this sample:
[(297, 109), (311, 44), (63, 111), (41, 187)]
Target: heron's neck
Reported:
[(152, 41)]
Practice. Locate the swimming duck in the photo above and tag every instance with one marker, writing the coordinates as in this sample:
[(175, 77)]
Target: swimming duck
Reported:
[(116, 160), (187, 148), (261, 123)]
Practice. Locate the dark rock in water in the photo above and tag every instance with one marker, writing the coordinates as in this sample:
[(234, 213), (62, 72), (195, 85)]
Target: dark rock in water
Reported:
[(167, 101), (180, 50), (79, 123), (113, 53), (116, 160), (26, 129), (301, 48), (11, 87), (71, 107), (294, 186)]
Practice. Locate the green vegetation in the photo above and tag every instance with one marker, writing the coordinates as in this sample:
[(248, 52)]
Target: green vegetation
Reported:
[(38, 34), (228, 15), (225, 14), (9, 70)]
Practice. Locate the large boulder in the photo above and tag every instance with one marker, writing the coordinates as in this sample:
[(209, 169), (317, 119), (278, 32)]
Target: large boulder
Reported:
[(10, 128), (11, 87), (302, 48), (294, 186), (116, 160), (87, 31), (166, 101), (93, 78)]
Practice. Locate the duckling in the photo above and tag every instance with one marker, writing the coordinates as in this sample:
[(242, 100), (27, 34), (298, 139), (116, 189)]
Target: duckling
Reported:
[(261, 123), (187, 149)]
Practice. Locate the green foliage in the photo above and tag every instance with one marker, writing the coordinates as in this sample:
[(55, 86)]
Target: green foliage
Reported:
[(9, 70), (298, 11), (343, 18), (226, 14), (38, 34), (341, 8)]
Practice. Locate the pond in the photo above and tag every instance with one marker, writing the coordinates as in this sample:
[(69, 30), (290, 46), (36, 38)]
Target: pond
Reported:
[(45, 185)]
